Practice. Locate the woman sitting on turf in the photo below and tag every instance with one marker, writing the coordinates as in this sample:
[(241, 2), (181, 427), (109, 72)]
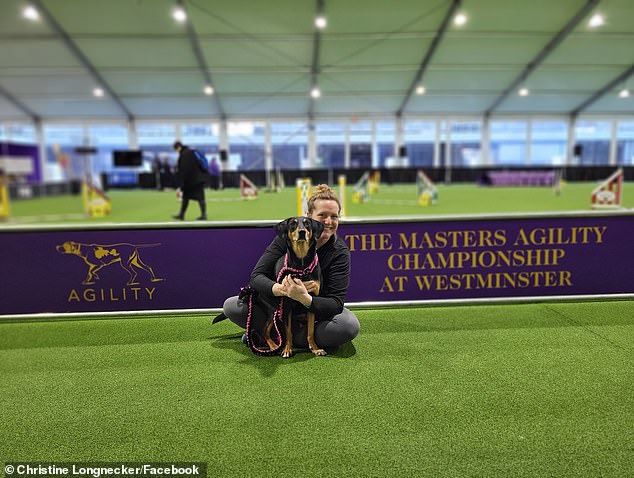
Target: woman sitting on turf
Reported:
[(335, 325)]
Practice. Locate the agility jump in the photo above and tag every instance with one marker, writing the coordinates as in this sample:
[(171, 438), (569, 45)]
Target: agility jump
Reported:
[(276, 181), (96, 201), (304, 189), (426, 192), (5, 209), (609, 193), (366, 189), (342, 194), (13, 168), (366, 186), (248, 190)]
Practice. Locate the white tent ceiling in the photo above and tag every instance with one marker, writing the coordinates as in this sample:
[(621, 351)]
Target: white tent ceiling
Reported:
[(260, 55)]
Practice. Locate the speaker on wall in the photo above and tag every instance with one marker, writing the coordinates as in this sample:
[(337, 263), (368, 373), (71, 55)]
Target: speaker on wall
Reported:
[(577, 150), (402, 151), (224, 155)]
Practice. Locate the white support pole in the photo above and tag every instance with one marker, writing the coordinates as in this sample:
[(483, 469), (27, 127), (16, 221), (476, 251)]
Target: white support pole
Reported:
[(398, 138), (485, 159), (375, 148), (133, 136), (448, 155), (268, 154), (437, 144), (223, 135), (613, 144), (570, 159), (41, 146), (529, 143), (312, 145), (89, 165), (346, 160)]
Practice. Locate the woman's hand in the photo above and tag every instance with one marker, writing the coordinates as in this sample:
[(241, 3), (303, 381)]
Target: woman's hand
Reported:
[(296, 290), (311, 287), (279, 290)]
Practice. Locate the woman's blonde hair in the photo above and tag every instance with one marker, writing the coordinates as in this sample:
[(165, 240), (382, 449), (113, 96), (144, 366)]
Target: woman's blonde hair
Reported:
[(321, 192)]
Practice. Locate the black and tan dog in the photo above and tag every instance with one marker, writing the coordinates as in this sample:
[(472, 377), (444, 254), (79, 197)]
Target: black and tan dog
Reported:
[(301, 234), (97, 256)]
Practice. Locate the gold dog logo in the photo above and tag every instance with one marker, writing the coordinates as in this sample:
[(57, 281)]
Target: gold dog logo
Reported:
[(98, 256)]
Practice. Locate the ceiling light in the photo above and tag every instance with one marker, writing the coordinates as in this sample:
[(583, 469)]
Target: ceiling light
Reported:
[(596, 20), (321, 22), (460, 19), (315, 92), (420, 90), (179, 14), (30, 13), (523, 92), (624, 93), (209, 90), (98, 92)]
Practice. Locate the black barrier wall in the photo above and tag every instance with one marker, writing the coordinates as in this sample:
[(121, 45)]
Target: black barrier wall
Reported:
[(231, 179)]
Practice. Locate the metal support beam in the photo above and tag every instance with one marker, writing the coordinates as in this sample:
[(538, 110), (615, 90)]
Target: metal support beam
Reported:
[(315, 66), (200, 58), (74, 49), (19, 105), (428, 56), (541, 56), (606, 89)]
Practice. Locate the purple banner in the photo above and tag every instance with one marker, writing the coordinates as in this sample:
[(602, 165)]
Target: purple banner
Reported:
[(492, 258), (32, 151), (130, 269)]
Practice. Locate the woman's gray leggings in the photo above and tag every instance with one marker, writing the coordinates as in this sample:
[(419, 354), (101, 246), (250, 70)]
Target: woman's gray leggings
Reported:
[(337, 331)]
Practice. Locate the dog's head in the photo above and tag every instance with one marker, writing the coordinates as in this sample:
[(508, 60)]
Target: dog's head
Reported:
[(300, 230), (69, 247)]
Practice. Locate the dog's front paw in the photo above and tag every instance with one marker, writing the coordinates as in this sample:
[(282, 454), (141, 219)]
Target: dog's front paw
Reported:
[(272, 345), (287, 351), (319, 352)]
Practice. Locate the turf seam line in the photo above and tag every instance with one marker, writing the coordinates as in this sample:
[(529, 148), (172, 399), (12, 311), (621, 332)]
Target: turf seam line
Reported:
[(587, 329)]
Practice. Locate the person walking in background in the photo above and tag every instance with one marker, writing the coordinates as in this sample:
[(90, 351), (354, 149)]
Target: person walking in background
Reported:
[(190, 181)]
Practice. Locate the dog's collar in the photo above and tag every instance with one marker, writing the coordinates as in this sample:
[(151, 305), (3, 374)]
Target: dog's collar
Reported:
[(286, 269)]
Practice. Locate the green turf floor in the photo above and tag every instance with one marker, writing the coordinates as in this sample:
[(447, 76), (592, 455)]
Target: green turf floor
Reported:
[(138, 206), (531, 390)]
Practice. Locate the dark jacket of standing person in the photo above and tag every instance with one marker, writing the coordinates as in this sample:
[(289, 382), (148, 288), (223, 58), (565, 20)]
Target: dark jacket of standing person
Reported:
[(189, 173), (190, 180)]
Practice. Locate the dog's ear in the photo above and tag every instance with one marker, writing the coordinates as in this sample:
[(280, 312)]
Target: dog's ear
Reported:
[(318, 228), (282, 228)]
